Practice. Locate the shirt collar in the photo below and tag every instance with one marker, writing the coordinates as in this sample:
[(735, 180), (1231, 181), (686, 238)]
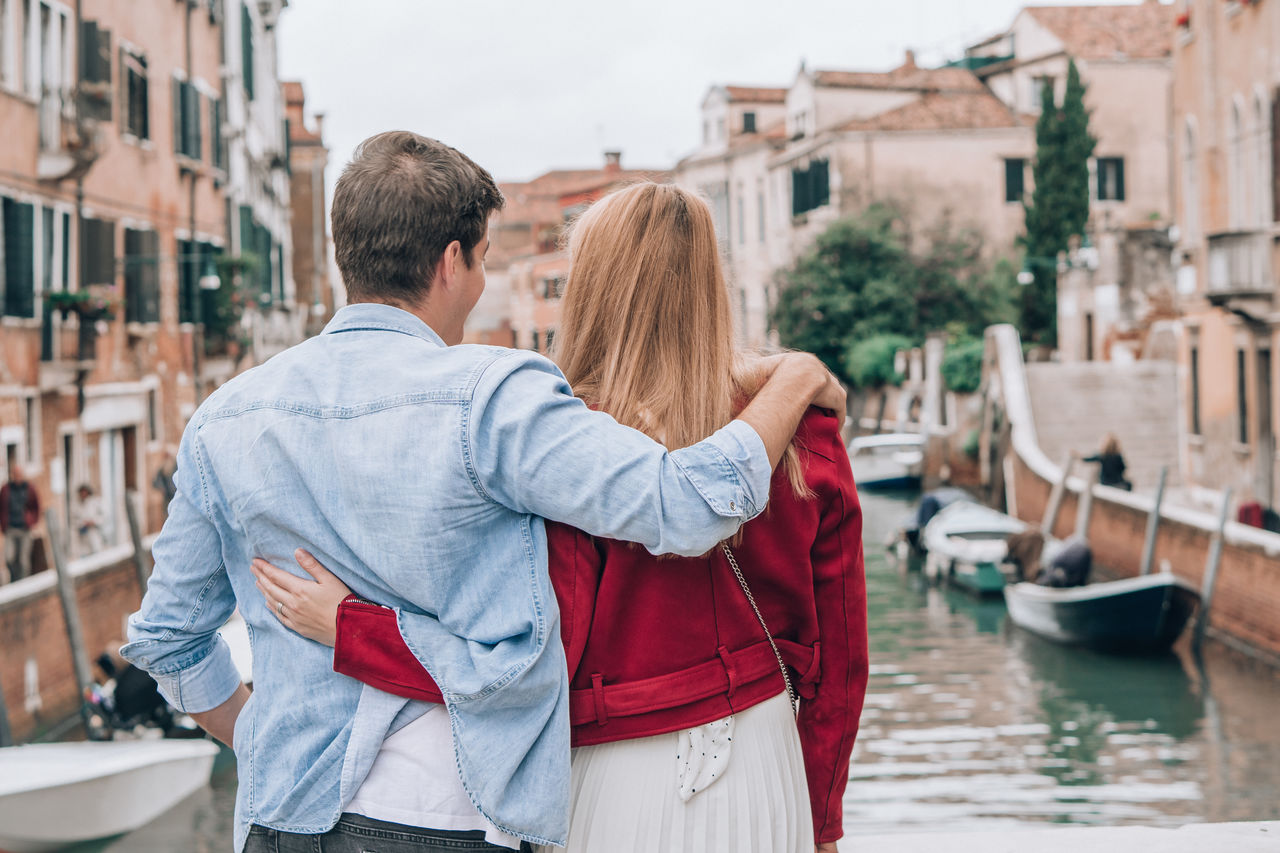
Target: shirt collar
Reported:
[(377, 316)]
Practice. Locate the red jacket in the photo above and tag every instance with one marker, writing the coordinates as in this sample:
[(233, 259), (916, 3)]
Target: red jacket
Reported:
[(30, 510), (661, 644)]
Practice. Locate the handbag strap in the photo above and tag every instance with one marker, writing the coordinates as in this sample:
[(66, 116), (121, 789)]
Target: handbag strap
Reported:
[(751, 599)]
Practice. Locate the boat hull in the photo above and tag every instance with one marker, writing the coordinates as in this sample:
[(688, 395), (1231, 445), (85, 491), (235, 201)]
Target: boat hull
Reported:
[(39, 812), (1137, 615)]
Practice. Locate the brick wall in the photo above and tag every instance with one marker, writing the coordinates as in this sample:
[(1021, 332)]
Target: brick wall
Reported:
[(33, 627), (1246, 603)]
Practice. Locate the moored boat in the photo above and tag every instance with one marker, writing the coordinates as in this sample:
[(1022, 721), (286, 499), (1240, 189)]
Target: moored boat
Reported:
[(895, 460), (1143, 614), (965, 544), (58, 794)]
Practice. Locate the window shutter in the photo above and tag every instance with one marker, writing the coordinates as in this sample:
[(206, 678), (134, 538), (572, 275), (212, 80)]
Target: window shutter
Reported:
[(176, 86), (246, 50), (95, 71), (1275, 155), (798, 188), (19, 259), (150, 264), (247, 235), (1119, 161), (822, 184), (191, 120), (133, 302)]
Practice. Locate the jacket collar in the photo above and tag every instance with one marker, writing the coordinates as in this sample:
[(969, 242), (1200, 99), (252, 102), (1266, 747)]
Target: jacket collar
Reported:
[(377, 316)]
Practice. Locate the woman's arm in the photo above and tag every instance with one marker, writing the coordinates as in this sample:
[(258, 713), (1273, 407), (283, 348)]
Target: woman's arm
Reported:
[(829, 721), (366, 639)]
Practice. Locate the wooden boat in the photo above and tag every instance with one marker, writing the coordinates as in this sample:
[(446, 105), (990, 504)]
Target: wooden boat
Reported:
[(888, 461), (908, 540), (1143, 614), (58, 794), (965, 544)]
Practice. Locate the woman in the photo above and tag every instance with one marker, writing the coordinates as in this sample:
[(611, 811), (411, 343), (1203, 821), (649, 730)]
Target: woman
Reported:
[(669, 665), (1111, 464)]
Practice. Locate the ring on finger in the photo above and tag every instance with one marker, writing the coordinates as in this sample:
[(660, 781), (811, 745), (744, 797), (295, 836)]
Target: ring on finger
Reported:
[(280, 608)]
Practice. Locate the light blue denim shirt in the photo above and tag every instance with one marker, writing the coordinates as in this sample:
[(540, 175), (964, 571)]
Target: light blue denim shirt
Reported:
[(420, 474)]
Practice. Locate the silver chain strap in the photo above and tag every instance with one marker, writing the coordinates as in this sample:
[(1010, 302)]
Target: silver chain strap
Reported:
[(751, 599)]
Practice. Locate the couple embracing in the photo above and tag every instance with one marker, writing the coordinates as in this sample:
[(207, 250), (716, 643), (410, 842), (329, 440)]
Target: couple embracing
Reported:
[(494, 570)]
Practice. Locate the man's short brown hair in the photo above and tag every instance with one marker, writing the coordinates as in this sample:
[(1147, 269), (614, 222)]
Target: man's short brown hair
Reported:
[(400, 202)]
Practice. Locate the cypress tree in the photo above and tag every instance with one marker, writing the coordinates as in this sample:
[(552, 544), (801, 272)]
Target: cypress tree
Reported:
[(1059, 205)]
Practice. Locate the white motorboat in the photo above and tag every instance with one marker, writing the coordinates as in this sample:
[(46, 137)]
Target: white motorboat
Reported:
[(965, 543), (235, 633), (888, 461), (58, 794)]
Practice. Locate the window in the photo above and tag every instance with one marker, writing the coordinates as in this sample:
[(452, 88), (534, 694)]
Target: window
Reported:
[(1235, 168), (706, 131), (141, 276), (810, 187), (1261, 163), (1038, 86), (134, 105), (536, 341), (1110, 179), (97, 252), (1015, 171), (187, 140), (1242, 399), (217, 145), (1275, 155), (553, 287), (1195, 390), (742, 217), (748, 122), (1190, 182), (551, 338), (760, 208), (19, 259), (8, 50), (95, 71), (246, 49), (720, 129)]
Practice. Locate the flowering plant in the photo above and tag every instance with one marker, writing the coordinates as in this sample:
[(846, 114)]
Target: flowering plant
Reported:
[(92, 303), (1183, 21)]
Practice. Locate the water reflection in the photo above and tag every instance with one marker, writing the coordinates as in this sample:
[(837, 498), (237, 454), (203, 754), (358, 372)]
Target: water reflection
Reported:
[(972, 723)]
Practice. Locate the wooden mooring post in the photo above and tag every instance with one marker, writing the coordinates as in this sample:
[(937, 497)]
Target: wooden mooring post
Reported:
[(1211, 573), (6, 733), (135, 535), (1153, 525), (1055, 497), (71, 613), (1084, 509)]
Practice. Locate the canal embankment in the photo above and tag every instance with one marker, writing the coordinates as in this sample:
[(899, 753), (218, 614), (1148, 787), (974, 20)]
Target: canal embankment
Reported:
[(1194, 838)]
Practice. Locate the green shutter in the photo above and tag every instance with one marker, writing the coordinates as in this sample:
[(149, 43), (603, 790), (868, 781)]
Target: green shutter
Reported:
[(19, 259), (186, 290), (176, 86), (246, 50)]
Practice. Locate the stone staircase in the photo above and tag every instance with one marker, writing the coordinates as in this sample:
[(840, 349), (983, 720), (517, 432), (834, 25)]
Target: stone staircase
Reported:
[(1075, 405)]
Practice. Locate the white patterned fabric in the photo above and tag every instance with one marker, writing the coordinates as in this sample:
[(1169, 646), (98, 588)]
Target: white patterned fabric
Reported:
[(624, 799)]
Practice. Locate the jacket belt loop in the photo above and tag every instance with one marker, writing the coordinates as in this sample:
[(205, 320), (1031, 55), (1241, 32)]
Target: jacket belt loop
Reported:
[(597, 693), (730, 673)]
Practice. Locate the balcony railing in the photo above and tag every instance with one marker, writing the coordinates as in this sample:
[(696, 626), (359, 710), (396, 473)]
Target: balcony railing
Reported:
[(1240, 264)]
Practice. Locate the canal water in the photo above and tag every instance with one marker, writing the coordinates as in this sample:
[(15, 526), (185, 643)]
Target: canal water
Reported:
[(972, 724)]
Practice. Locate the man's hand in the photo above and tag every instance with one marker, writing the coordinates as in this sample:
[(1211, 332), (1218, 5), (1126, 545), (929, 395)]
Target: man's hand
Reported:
[(797, 381), (828, 847)]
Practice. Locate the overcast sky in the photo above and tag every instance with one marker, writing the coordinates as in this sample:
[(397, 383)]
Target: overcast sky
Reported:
[(523, 87)]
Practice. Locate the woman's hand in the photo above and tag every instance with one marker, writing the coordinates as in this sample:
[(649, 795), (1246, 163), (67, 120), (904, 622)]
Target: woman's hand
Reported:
[(308, 607), (828, 847)]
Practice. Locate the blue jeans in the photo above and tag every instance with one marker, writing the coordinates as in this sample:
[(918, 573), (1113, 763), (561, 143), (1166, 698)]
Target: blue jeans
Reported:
[(358, 834)]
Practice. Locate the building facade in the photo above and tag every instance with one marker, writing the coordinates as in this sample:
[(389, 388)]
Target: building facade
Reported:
[(308, 158), (1226, 101), (128, 153)]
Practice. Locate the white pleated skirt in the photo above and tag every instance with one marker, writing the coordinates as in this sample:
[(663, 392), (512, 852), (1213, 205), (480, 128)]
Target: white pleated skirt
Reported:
[(625, 795)]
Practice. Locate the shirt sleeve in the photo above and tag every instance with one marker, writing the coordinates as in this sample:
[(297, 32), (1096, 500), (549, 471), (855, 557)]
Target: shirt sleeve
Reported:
[(174, 636), (828, 721), (533, 447)]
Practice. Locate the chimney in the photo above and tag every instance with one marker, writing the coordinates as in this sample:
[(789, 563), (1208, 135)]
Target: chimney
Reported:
[(910, 61), (319, 121), (612, 162)]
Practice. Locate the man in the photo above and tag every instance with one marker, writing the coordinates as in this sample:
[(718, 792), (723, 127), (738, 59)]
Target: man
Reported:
[(19, 514), (420, 471)]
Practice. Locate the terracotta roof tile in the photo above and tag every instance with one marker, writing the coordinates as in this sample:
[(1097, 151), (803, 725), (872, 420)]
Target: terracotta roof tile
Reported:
[(943, 111), (904, 77), (1144, 31), (757, 94)]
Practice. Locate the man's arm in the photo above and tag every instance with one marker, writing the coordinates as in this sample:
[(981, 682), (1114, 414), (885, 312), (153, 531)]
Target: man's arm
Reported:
[(221, 721), (532, 447), (174, 636)]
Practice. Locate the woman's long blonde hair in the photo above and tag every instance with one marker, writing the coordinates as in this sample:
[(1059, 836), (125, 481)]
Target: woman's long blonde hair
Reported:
[(645, 329)]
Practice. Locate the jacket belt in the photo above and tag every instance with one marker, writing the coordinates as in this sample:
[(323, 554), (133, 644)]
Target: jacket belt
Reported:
[(728, 671)]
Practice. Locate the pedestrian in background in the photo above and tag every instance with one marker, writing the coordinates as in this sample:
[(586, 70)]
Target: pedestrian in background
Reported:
[(1111, 462), (86, 516), (19, 515)]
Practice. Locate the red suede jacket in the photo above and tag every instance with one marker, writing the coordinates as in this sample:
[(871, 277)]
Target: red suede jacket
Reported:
[(661, 644)]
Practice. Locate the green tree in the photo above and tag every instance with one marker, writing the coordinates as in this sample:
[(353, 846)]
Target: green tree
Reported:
[(870, 275), (1059, 207)]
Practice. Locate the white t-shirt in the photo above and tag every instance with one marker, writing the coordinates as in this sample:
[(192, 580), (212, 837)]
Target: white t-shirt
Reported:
[(414, 781)]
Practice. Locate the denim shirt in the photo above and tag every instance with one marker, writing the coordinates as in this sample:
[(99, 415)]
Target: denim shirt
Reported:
[(420, 475)]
